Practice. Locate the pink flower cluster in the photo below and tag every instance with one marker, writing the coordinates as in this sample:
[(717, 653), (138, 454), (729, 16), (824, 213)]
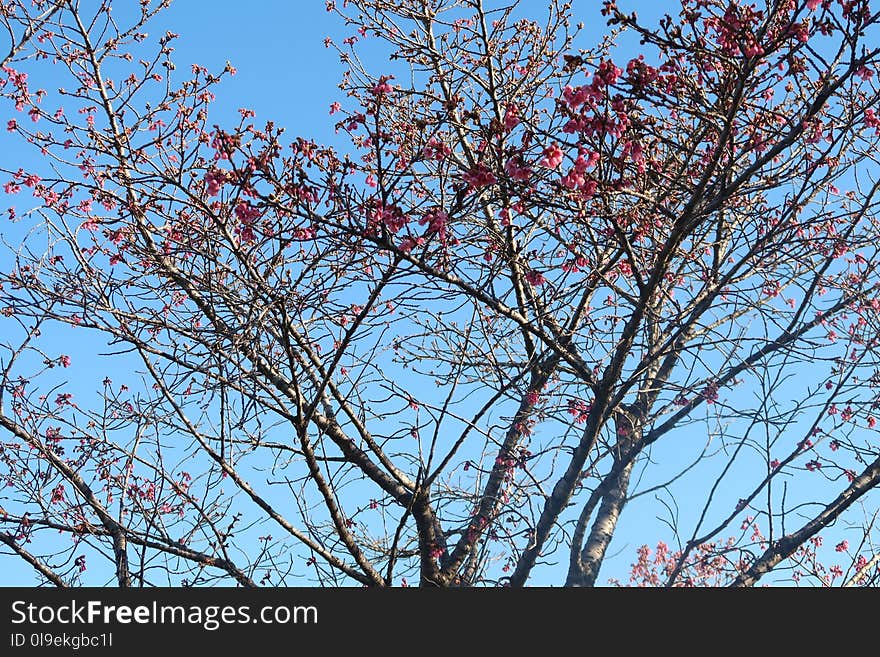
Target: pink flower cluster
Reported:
[(388, 215), (479, 176), (247, 215), (436, 150), (382, 87), (552, 157), (436, 221), (576, 177), (511, 117), (579, 410), (516, 169), (872, 120), (734, 31), (214, 181)]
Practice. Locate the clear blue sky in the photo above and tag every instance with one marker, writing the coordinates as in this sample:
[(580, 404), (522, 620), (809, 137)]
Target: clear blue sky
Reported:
[(284, 71)]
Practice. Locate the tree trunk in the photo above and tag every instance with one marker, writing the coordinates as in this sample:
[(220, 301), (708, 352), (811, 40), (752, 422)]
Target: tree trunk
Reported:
[(601, 532)]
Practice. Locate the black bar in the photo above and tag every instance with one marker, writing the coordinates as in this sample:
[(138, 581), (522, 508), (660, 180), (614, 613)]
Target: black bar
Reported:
[(115, 620)]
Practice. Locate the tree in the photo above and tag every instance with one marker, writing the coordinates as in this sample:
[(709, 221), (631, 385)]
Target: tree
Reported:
[(545, 284)]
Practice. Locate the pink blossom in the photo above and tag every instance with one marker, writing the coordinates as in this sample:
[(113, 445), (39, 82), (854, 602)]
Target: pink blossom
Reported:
[(407, 244), (479, 176), (872, 120), (814, 131), (843, 546), (34, 113), (436, 221), (335, 107), (64, 360), (589, 189), (710, 393), (246, 212), (553, 157), (865, 73), (800, 31), (390, 216), (516, 170), (572, 180), (535, 278), (511, 117), (812, 4), (57, 494), (355, 120), (575, 125), (635, 152), (575, 97), (223, 144), (382, 87), (576, 177), (436, 149), (11, 125), (607, 72), (214, 181), (575, 264), (371, 180), (579, 410), (581, 164)]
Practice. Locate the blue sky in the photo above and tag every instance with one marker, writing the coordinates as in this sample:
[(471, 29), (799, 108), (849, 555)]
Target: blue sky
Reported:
[(284, 72)]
